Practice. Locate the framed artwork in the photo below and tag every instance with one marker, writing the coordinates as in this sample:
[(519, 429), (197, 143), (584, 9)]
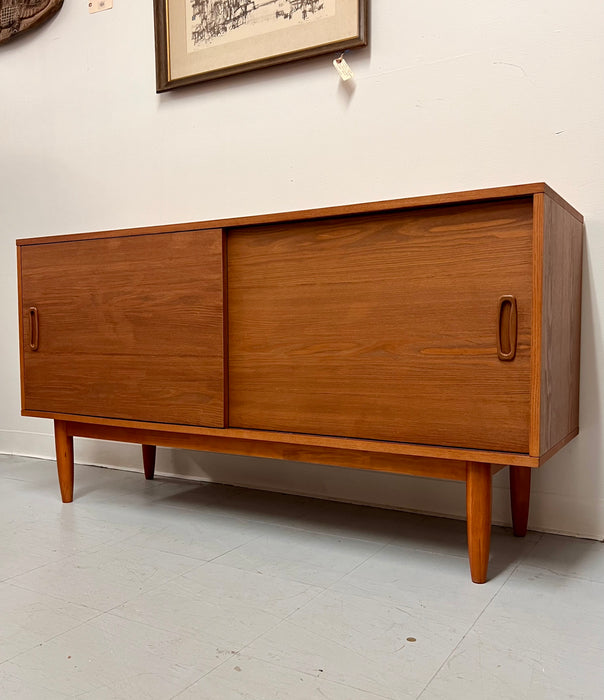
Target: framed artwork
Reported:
[(198, 40)]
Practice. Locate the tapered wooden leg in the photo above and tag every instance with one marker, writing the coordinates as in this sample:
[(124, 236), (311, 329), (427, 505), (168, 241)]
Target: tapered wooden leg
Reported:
[(64, 450), (520, 496), (478, 510), (149, 460)]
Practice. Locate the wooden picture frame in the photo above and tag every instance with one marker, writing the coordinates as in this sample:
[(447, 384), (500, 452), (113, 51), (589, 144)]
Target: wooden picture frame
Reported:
[(199, 40)]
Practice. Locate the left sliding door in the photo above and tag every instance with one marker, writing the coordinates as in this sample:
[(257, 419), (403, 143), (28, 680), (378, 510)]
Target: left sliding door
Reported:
[(125, 327)]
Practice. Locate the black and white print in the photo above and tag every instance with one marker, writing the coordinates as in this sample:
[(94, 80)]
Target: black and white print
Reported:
[(213, 22)]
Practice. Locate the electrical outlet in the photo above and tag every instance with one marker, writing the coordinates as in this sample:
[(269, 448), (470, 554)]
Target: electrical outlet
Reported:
[(99, 5)]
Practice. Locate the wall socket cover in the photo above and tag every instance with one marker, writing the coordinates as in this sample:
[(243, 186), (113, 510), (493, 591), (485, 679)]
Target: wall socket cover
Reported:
[(99, 5)]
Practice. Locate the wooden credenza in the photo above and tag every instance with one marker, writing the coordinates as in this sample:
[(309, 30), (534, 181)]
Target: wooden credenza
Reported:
[(434, 336)]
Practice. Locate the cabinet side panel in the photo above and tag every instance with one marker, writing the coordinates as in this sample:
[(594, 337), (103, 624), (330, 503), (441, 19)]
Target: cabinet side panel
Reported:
[(561, 324), (225, 331), (21, 330), (536, 334)]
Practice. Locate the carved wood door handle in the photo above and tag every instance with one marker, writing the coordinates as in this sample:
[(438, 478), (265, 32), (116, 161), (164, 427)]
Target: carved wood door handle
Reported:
[(34, 328), (507, 327)]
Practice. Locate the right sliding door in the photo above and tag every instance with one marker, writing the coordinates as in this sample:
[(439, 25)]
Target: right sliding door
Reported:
[(411, 326)]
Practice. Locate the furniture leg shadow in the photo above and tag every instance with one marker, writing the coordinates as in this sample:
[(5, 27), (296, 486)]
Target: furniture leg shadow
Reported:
[(149, 452), (520, 491)]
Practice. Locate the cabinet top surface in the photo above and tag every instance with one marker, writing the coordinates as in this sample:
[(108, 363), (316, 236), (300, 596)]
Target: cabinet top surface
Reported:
[(467, 196)]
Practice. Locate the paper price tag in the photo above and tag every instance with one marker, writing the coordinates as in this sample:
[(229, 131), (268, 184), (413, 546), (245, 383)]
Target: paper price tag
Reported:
[(99, 5), (343, 68)]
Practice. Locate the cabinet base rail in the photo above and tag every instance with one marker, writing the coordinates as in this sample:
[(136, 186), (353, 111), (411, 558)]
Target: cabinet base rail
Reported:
[(477, 475)]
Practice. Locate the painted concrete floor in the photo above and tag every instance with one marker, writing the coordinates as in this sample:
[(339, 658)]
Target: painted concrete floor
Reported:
[(172, 589)]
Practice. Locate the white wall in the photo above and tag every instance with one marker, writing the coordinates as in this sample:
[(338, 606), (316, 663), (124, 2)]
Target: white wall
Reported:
[(449, 96)]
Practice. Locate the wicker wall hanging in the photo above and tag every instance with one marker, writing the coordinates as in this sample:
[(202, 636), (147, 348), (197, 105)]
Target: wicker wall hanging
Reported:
[(18, 16)]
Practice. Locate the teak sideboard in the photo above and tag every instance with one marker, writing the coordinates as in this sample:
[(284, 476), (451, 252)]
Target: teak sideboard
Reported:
[(434, 336)]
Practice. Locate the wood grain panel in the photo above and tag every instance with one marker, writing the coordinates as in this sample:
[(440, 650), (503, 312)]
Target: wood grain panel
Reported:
[(374, 461), (130, 327), (480, 195), (560, 324), (383, 326), (326, 441), (536, 335)]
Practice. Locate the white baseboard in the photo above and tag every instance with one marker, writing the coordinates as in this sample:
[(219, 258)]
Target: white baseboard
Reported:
[(550, 512)]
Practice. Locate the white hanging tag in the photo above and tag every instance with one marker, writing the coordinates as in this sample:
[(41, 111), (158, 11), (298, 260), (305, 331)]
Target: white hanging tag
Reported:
[(343, 68), (99, 5)]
